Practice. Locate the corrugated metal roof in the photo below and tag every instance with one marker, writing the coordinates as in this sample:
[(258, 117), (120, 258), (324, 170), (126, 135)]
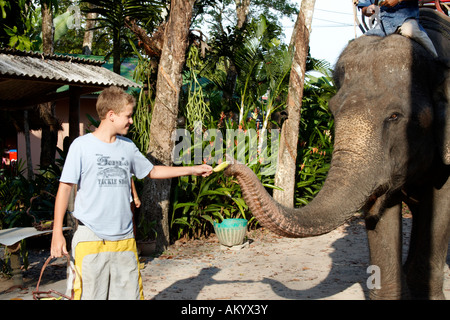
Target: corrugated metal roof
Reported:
[(26, 75)]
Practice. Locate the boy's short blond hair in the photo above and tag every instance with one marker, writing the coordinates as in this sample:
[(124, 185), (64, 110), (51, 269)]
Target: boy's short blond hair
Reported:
[(115, 99)]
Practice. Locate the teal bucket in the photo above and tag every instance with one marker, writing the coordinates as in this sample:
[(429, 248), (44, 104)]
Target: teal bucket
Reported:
[(231, 232)]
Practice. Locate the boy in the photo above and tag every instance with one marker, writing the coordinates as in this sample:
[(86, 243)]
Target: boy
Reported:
[(101, 164), (398, 16)]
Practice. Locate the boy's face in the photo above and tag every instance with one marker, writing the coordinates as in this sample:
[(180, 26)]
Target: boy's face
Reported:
[(123, 120)]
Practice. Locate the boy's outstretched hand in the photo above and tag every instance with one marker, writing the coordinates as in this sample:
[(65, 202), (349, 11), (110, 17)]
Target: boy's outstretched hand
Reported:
[(203, 170), (168, 172)]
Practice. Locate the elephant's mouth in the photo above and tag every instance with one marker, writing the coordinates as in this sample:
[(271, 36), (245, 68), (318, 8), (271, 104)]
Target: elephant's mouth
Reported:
[(383, 197), (379, 192)]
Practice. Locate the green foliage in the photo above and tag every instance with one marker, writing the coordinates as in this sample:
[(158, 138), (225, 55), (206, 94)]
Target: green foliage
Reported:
[(140, 130), (24, 201), (195, 108), (198, 202), (223, 12), (112, 13), (316, 140), (264, 66), (20, 25), (111, 20)]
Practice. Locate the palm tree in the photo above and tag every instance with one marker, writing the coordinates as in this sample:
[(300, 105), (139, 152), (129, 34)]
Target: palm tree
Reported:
[(112, 14), (264, 69), (228, 39), (257, 42)]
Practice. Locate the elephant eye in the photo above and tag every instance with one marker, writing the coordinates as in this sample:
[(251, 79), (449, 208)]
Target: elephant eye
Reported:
[(394, 117)]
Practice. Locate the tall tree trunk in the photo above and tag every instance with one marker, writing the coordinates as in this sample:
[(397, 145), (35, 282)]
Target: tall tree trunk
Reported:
[(287, 155), (50, 125), (230, 84), (156, 193), (89, 34), (116, 51), (242, 9), (26, 132), (47, 28)]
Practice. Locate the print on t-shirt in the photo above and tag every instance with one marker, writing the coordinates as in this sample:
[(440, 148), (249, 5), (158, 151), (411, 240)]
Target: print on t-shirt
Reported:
[(112, 173)]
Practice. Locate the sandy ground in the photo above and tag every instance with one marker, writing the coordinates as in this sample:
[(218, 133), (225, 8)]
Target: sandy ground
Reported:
[(329, 267)]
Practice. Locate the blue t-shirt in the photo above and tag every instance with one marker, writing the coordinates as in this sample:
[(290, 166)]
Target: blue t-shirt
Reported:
[(102, 172)]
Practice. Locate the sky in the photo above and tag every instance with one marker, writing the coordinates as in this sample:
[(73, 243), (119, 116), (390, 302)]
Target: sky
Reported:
[(332, 28)]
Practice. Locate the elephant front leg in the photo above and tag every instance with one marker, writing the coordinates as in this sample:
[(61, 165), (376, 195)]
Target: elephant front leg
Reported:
[(424, 267), (384, 231)]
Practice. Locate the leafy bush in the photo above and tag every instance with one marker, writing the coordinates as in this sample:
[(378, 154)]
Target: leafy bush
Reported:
[(198, 202), (316, 139), (24, 202)]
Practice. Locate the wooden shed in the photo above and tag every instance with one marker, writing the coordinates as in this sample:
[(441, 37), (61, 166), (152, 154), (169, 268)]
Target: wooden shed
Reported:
[(28, 79)]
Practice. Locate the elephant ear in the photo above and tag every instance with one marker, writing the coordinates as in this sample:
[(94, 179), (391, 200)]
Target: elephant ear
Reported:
[(442, 115)]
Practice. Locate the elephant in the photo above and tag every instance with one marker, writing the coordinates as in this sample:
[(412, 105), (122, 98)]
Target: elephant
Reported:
[(391, 146)]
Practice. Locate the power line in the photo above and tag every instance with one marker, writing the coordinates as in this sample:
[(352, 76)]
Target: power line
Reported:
[(337, 22), (332, 26), (337, 12)]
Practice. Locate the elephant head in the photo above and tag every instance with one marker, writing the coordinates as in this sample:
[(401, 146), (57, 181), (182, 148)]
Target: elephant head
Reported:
[(391, 128)]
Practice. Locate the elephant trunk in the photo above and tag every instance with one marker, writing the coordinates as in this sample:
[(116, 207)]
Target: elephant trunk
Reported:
[(352, 181), (336, 203)]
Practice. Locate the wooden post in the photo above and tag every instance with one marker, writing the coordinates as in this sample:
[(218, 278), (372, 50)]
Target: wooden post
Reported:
[(74, 113), (14, 260)]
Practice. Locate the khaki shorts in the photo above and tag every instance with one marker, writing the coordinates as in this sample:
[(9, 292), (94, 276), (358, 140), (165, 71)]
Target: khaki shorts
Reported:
[(106, 269)]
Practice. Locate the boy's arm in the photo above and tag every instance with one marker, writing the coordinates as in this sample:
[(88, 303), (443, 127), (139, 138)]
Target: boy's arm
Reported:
[(136, 200), (167, 172), (58, 246)]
